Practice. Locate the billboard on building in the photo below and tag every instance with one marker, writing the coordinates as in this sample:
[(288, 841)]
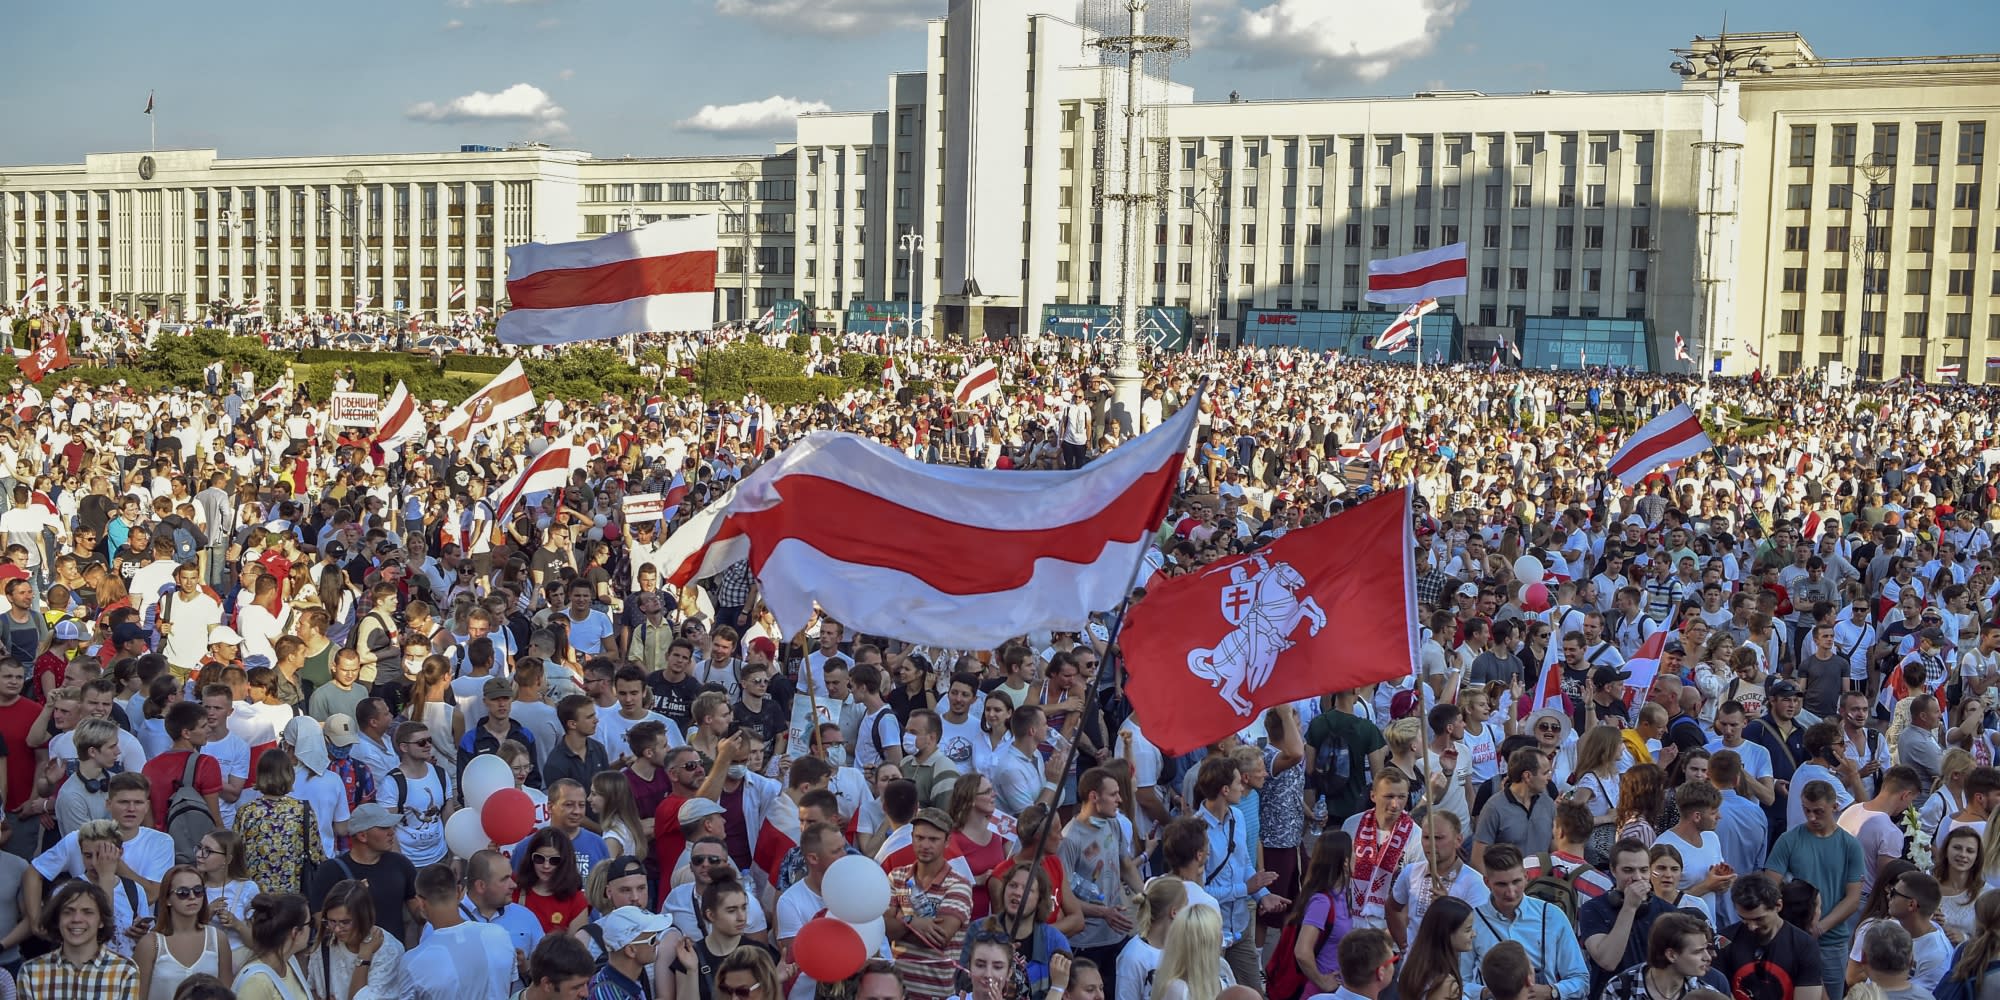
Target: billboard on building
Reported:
[(1168, 328), (1348, 331)]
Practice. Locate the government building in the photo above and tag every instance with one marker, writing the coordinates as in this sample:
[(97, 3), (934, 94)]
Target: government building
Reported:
[(1772, 207)]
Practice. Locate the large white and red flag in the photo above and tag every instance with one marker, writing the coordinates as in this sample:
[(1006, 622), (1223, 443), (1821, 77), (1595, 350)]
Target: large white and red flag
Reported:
[(41, 281), (1671, 436), (52, 354), (978, 384), (1681, 348), (508, 396), (1322, 609), (676, 493), (777, 836), (547, 471), (1403, 332), (655, 278), (1426, 274), (932, 554), (1390, 438), (457, 293), (892, 377), (398, 419)]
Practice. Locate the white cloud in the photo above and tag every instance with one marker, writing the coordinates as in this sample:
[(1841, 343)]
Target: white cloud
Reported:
[(523, 104), (770, 116), (832, 17), (454, 24), (1331, 39), (568, 74)]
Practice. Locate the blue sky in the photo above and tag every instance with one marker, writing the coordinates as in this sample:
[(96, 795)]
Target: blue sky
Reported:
[(667, 77)]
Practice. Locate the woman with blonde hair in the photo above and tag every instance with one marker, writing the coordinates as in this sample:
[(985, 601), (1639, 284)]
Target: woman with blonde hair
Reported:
[(1977, 957), (431, 704), (1191, 963), (1404, 738), (1159, 906), (1947, 797), (1595, 781), (612, 803), (1714, 673)]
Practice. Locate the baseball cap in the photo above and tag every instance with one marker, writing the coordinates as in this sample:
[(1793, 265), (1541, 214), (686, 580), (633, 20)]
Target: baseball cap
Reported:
[(224, 634), (369, 816), (623, 866), (497, 687), (696, 810), (1468, 590), (1674, 646), (69, 630), (629, 924), (1934, 635), (1606, 675), (339, 730), (763, 645), (125, 632), (1784, 689), (935, 818)]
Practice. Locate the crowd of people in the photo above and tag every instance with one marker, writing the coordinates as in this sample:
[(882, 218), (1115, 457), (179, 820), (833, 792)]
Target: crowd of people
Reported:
[(249, 656)]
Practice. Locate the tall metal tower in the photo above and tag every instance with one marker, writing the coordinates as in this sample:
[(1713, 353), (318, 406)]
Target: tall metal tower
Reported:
[(1144, 38)]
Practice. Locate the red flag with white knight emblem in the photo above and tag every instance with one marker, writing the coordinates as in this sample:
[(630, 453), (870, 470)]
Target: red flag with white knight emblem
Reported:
[(1321, 609), (51, 354)]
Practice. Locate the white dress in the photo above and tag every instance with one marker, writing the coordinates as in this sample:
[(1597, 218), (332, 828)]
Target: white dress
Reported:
[(168, 972)]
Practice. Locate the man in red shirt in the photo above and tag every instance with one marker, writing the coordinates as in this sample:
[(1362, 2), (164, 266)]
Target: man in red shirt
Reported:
[(692, 779), (187, 726), (17, 716)]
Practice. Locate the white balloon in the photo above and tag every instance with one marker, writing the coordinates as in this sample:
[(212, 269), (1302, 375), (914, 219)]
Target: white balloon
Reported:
[(485, 775), (464, 834), (873, 934), (856, 889), (1529, 569)]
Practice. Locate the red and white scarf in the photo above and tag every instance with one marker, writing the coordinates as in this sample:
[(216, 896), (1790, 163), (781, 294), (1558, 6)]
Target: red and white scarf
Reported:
[(1376, 864)]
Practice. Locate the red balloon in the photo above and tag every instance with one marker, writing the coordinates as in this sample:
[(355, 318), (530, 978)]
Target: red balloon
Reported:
[(1536, 597), (508, 816), (828, 950)]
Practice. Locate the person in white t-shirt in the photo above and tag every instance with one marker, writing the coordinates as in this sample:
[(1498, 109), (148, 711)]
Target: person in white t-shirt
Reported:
[(1875, 822), (1703, 871)]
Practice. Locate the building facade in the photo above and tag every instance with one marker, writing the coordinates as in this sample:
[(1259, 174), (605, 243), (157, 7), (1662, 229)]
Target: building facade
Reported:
[(1801, 212)]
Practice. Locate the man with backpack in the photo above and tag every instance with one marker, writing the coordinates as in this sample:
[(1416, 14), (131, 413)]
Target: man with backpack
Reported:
[(1537, 926), (186, 784), (1617, 926), (1347, 752)]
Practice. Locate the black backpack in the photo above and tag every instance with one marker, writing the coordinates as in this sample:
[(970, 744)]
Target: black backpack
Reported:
[(1337, 769)]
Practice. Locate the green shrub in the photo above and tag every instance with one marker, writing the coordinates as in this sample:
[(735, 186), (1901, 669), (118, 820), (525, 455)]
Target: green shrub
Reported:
[(180, 360), (585, 374), (799, 343), (674, 386), (857, 368), (788, 390), (728, 373), (485, 364)]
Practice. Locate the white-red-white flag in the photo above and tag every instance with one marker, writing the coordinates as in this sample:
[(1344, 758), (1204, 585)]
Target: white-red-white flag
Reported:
[(1426, 274), (978, 384), (508, 396), (41, 281), (949, 556), (764, 321), (1950, 371), (1675, 434), (1391, 438), (892, 377), (1403, 332), (655, 278), (549, 470), (398, 420), (777, 836), (1681, 348), (456, 294), (677, 491), (1494, 368), (1515, 350)]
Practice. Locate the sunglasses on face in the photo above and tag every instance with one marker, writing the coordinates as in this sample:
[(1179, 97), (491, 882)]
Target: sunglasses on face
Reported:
[(418, 743), (193, 892), (737, 991), (547, 859), (708, 859)]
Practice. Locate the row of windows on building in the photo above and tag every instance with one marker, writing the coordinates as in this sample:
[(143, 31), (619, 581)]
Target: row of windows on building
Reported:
[(1923, 197), (669, 191), (1875, 280), (1588, 279), (1844, 138), (1596, 148), (726, 223), (1922, 239), (1915, 323)]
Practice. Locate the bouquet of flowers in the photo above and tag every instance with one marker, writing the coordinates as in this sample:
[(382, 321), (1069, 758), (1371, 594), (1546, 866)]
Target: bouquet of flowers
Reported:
[(1916, 840)]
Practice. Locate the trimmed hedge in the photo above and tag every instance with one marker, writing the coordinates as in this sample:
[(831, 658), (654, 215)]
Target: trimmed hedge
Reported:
[(732, 371), (789, 390)]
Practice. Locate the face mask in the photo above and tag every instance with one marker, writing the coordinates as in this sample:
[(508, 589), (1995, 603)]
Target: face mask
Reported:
[(338, 752), (737, 771), (837, 756)]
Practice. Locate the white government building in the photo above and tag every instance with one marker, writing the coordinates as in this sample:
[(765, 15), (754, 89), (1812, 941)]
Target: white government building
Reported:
[(1791, 211)]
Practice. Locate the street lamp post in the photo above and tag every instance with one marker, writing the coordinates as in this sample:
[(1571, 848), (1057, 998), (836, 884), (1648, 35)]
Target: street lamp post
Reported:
[(913, 247), (1869, 247), (1716, 59), (1208, 205), (354, 177), (745, 174)]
